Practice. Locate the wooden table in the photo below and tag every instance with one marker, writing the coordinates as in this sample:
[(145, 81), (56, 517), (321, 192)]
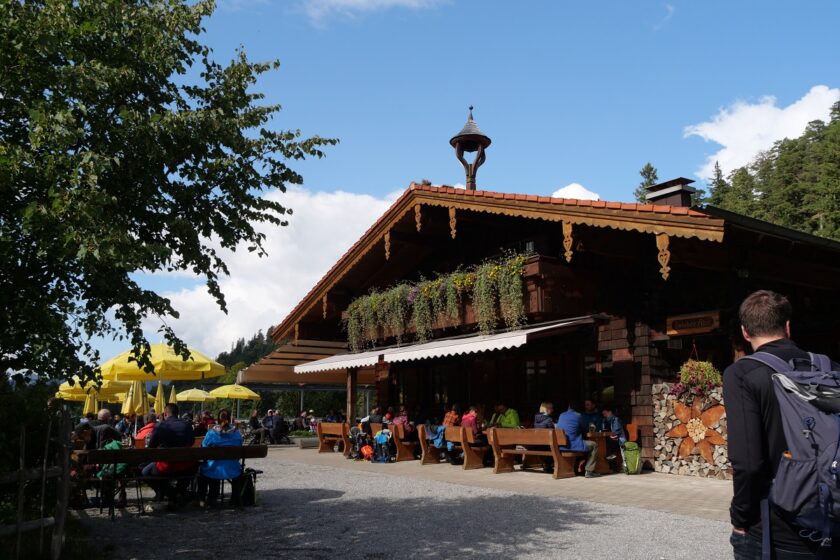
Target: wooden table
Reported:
[(134, 456), (602, 466)]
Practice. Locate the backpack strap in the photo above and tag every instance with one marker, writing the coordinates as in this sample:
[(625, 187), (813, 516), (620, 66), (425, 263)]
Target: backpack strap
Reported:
[(770, 360), (820, 362)]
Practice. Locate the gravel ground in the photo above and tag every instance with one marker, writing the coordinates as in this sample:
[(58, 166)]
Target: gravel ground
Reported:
[(318, 512)]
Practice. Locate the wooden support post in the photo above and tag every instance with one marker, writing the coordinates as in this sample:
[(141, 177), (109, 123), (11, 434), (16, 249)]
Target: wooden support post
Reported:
[(21, 487), (64, 487), (352, 376), (50, 419)]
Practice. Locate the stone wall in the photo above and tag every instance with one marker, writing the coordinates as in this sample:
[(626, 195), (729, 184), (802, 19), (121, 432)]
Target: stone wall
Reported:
[(668, 444)]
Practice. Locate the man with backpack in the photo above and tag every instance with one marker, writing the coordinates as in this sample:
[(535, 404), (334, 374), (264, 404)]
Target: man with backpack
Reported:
[(778, 440)]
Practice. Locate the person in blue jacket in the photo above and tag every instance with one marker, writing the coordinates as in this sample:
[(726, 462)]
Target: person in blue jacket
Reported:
[(612, 424), (214, 471), (570, 423)]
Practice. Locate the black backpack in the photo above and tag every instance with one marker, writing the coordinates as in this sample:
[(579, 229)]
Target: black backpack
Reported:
[(248, 493)]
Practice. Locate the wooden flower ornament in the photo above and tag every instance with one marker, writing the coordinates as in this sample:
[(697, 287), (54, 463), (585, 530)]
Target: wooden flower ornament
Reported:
[(697, 429)]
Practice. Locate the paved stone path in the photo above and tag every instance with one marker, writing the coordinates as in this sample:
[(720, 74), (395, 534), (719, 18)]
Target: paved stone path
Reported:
[(320, 506)]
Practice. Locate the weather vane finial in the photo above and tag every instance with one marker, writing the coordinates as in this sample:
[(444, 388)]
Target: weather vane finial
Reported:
[(471, 108)]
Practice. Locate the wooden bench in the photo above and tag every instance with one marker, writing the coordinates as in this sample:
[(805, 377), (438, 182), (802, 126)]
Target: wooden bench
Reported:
[(508, 443), (429, 454), (329, 433), (406, 450), (464, 439)]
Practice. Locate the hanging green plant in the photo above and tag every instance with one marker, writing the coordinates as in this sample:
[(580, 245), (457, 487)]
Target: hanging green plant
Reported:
[(394, 310), (495, 288), (355, 331), (484, 297), (452, 298), (423, 316), (510, 285), (697, 378)]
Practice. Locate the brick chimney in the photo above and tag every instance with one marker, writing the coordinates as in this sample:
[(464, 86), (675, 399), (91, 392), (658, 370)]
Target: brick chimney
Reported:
[(675, 192)]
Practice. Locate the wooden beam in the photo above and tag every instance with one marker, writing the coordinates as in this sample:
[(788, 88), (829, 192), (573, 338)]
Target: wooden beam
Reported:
[(352, 375)]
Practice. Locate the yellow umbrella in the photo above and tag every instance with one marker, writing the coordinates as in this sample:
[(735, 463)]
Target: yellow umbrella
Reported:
[(129, 401), (168, 366), (90, 405), (173, 398), (70, 396), (79, 391), (120, 397), (195, 395), (160, 399), (235, 391), (143, 404)]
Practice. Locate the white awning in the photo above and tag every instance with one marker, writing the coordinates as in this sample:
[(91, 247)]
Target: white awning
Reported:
[(341, 361), (477, 343), (441, 348)]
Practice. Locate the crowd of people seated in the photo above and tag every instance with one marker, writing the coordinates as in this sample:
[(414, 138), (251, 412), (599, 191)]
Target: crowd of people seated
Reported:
[(575, 424), (168, 479)]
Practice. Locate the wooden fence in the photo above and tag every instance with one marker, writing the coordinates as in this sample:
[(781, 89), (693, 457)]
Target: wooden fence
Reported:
[(60, 471)]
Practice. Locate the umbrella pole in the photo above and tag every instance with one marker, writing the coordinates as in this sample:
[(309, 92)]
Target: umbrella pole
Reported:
[(301, 399), (237, 408)]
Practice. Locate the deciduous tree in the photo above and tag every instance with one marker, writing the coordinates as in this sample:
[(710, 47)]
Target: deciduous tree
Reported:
[(124, 147)]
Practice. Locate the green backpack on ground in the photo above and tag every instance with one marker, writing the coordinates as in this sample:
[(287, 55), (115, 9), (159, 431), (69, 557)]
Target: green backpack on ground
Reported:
[(632, 458)]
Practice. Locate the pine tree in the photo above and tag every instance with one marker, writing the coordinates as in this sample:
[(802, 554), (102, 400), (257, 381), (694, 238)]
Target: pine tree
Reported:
[(718, 187), (649, 178)]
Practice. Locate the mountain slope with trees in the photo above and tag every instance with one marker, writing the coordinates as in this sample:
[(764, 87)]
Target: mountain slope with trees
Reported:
[(795, 184)]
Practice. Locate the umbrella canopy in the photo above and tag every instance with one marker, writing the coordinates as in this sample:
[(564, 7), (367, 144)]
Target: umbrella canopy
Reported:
[(90, 405), (168, 366), (120, 398), (136, 400), (77, 391), (68, 396), (235, 391), (195, 395), (160, 399), (173, 398)]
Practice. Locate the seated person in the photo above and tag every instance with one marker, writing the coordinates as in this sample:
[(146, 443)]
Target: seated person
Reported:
[(615, 443), (570, 423), (452, 416), (172, 432), (543, 419), (213, 471), (375, 417), (504, 417), (590, 418), (150, 421), (470, 420), (266, 427), (331, 417), (103, 431), (280, 432), (402, 419), (389, 416)]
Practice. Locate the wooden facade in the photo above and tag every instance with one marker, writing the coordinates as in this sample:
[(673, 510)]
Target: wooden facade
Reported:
[(643, 270)]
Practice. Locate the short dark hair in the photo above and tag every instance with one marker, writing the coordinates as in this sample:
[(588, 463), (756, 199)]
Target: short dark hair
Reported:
[(172, 409), (764, 313)]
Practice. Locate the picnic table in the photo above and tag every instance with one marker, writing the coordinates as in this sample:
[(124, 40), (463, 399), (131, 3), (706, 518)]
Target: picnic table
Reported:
[(133, 456)]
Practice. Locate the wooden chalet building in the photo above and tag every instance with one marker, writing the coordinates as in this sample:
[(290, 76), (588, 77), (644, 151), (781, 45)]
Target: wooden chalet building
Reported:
[(616, 296)]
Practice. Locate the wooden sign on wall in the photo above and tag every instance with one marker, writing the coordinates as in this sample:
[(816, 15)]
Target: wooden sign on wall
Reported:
[(382, 369), (694, 323)]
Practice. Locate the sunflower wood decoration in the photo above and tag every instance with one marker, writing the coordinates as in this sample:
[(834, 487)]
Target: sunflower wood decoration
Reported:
[(697, 429)]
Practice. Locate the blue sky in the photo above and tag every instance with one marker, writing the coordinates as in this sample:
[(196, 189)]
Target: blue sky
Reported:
[(570, 92)]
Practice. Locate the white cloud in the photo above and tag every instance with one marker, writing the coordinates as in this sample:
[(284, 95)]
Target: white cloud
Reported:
[(669, 13), (744, 129), (576, 190), (318, 10), (262, 291)]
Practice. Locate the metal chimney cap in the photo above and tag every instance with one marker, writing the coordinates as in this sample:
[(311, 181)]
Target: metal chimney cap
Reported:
[(470, 136)]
